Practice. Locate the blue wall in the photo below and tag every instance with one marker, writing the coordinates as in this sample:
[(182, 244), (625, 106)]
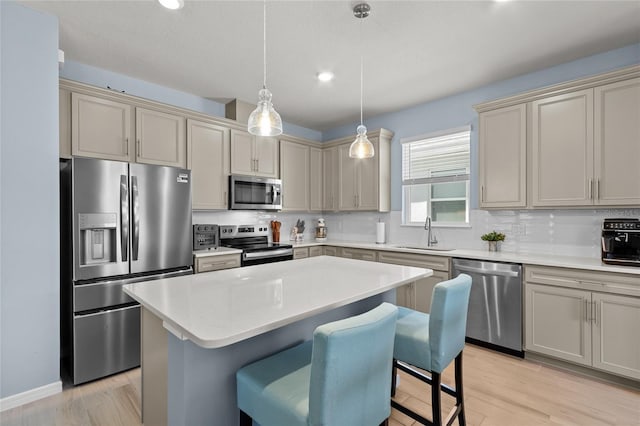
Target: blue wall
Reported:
[(457, 110), (103, 78), (29, 228)]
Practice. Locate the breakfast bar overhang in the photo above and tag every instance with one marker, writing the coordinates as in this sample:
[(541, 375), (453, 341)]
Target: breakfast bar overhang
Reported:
[(198, 330)]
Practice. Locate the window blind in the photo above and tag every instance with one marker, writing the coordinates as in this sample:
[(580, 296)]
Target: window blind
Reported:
[(441, 158)]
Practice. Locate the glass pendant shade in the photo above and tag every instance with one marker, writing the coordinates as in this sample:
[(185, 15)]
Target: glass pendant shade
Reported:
[(265, 120), (362, 146)]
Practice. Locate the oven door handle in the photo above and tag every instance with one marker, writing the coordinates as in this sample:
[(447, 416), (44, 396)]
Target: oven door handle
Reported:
[(267, 254)]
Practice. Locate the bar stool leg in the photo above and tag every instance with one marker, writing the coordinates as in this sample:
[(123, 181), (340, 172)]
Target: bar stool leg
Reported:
[(394, 375), (245, 419), (436, 399), (459, 396)]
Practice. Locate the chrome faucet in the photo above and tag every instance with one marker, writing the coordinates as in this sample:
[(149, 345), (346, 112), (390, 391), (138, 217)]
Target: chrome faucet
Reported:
[(431, 238)]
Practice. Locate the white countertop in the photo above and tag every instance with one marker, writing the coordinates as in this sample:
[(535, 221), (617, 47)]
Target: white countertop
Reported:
[(216, 309), (586, 263), (216, 252)]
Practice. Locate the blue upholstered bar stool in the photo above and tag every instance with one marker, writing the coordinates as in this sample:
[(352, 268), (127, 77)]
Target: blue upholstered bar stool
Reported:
[(431, 342), (341, 378)]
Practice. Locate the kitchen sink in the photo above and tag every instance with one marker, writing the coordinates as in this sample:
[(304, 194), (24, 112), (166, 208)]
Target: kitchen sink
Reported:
[(426, 248)]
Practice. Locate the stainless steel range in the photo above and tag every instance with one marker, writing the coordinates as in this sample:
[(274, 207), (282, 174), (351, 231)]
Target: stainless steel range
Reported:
[(253, 240)]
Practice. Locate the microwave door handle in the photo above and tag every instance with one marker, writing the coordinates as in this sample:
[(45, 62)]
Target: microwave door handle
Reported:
[(135, 219), (275, 193), (124, 217)]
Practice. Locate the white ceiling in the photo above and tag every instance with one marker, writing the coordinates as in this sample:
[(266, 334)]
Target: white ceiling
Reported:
[(414, 51)]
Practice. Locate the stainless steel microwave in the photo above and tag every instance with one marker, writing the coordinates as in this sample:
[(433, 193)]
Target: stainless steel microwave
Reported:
[(254, 193)]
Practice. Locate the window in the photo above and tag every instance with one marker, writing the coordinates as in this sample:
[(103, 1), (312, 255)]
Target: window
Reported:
[(435, 178)]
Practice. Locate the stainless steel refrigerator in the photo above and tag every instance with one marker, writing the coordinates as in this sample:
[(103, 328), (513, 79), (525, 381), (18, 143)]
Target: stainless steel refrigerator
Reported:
[(120, 223)]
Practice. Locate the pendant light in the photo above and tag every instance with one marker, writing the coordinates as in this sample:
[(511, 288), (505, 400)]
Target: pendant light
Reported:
[(265, 120), (361, 147)]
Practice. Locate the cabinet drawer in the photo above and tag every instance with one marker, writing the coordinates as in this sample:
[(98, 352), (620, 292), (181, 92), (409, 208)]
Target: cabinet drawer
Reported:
[(437, 263), (330, 251), (608, 282), (216, 263), (360, 254), (300, 253), (315, 251)]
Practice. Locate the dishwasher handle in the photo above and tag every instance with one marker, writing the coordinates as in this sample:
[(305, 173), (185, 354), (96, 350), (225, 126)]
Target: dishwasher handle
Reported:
[(486, 271)]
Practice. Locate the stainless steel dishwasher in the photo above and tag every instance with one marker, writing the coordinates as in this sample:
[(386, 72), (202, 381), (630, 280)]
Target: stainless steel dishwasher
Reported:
[(494, 319)]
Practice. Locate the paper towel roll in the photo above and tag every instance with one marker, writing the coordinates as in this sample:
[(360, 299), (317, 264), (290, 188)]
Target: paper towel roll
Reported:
[(380, 233)]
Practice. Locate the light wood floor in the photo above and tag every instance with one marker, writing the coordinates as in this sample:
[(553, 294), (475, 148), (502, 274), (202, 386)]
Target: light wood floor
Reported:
[(499, 390)]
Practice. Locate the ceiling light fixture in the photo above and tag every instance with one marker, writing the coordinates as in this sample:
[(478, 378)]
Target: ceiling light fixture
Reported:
[(265, 120), (325, 76), (172, 4), (361, 147)]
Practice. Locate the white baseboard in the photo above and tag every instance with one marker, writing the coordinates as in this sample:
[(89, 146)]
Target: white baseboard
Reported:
[(30, 396)]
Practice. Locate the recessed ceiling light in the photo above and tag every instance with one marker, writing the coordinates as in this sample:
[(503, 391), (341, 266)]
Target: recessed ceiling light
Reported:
[(172, 4), (325, 76)]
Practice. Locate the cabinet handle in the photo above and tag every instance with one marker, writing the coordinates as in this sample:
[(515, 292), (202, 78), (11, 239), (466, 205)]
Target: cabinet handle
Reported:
[(595, 313), (591, 189), (482, 193), (257, 164), (138, 148), (126, 146), (597, 189)]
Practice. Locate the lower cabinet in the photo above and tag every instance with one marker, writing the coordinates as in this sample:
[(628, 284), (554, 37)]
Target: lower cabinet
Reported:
[(330, 251), (300, 252), (417, 295), (315, 251), (566, 319), (216, 263)]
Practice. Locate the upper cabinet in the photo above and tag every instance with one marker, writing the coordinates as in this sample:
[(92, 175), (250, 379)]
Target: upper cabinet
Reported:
[(330, 179), (562, 150), (64, 108), (160, 138), (577, 143), (617, 143), (253, 155), (502, 157), (100, 128), (208, 159), (365, 184), (315, 179), (295, 174)]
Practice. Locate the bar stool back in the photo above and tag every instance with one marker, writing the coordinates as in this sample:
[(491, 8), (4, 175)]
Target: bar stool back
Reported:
[(431, 342), (342, 378)]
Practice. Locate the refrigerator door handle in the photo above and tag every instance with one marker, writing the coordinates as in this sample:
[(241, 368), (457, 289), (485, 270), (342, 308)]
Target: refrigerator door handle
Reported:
[(135, 218), (124, 217)]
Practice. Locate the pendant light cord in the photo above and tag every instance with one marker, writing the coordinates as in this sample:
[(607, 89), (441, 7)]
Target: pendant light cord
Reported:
[(361, 70), (264, 45)]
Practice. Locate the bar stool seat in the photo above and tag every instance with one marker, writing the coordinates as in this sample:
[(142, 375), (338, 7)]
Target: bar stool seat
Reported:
[(431, 342), (342, 377)]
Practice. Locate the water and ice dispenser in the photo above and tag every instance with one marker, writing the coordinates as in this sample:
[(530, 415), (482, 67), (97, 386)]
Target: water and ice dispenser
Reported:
[(97, 235)]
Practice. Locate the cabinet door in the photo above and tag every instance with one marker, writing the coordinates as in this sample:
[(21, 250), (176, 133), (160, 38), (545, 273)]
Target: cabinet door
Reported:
[(347, 183), (294, 165), (100, 128), (266, 155), (315, 179), (160, 138), (424, 290), (616, 341), (367, 181), (557, 322), (208, 159), (617, 143), (360, 254), (330, 179), (64, 116), (330, 251), (242, 161), (502, 157), (217, 263), (315, 251), (562, 148)]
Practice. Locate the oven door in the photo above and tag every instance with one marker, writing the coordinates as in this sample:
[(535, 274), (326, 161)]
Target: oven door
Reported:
[(266, 256), (254, 193)]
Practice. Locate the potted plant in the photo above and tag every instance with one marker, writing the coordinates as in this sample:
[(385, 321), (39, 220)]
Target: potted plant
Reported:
[(493, 238)]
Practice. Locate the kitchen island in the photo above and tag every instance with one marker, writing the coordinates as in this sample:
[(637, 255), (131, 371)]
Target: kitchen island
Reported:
[(198, 330)]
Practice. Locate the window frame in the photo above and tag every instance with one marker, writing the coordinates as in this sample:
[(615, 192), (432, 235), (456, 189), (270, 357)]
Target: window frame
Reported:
[(406, 201)]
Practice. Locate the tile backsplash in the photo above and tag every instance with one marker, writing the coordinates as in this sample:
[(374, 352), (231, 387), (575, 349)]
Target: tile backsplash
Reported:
[(562, 232)]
